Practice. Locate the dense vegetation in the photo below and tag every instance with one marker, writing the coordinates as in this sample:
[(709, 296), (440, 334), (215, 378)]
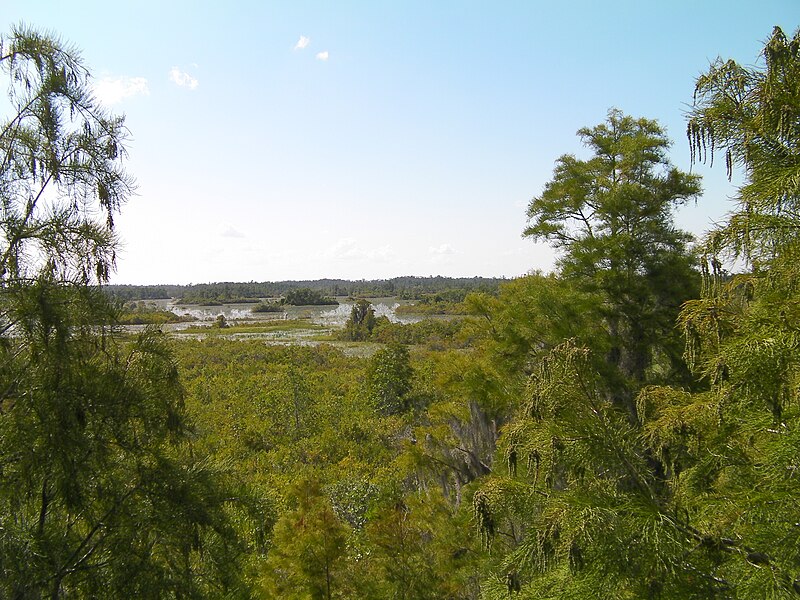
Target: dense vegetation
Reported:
[(267, 307), (141, 313), (308, 297), (101, 493), (411, 288), (447, 302), (626, 427)]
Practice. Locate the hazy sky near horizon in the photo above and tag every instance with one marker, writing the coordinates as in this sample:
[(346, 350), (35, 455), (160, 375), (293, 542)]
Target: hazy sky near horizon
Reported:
[(362, 140)]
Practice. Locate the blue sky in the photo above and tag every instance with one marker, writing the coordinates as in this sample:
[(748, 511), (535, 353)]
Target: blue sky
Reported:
[(300, 140)]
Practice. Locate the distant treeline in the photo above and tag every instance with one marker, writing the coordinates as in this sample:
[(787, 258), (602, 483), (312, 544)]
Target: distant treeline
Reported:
[(411, 288)]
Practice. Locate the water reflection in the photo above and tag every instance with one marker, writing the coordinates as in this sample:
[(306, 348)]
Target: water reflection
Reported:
[(320, 315), (385, 307)]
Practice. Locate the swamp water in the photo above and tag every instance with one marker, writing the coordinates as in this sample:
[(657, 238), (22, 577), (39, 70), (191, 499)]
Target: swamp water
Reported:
[(322, 320)]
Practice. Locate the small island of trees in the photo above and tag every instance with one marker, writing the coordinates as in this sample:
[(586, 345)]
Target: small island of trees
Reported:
[(308, 297)]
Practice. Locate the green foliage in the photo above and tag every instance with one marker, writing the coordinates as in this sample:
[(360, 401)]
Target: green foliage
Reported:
[(309, 549), (143, 314), (288, 419), (277, 328), (580, 502), (694, 498), (583, 507), (421, 548), (742, 334), (389, 379), (126, 293), (299, 410), (97, 497), (754, 115), (100, 495), (553, 444), (61, 164), (308, 297), (434, 308), (446, 302), (624, 194), (611, 216), (267, 307), (409, 288), (437, 334), (529, 317), (361, 322)]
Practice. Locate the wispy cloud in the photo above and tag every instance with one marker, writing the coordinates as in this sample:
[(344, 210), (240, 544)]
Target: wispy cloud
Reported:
[(229, 231), (182, 79), (323, 56), (302, 43), (442, 250), (112, 90), (443, 254), (348, 249)]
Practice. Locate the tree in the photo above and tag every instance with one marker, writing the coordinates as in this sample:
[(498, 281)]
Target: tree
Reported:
[(416, 551), (742, 334), (611, 218), (61, 166), (389, 379), (754, 115), (308, 548), (307, 297), (361, 322), (97, 494), (696, 498), (575, 509)]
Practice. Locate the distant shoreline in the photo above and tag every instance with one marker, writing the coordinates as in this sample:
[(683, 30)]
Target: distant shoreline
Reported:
[(410, 287)]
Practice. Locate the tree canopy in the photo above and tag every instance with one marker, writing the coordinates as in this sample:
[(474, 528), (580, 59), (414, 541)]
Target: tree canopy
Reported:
[(694, 498), (611, 218), (61, 175), (753, 115), (98, 497)]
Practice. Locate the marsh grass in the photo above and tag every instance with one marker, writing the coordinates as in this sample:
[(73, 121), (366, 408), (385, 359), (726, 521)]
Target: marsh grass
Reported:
[(270, 327)]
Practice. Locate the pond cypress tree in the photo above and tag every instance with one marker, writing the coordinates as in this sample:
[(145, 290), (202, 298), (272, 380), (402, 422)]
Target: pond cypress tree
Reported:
[(696, 497), (611, 218), (97, 497)]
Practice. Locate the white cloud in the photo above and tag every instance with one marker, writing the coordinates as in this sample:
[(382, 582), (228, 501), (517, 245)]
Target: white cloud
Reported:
[(182, 79), (111, 90), (231, 232), (443, 254), (442, 250), (303, 42), (348, 249), (322, 55)]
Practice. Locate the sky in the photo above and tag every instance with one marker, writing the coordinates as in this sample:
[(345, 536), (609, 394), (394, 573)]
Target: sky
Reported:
[(374, 139)]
